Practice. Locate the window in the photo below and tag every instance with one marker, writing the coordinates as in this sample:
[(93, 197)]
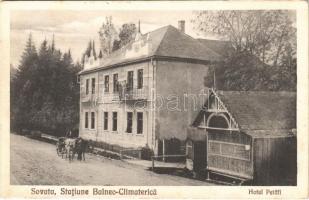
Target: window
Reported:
[(140, 78), (106, 83), (105, 120), (92, 120), (115, 83), (114, 121), (129, 122), (139, 123), (87, 86), (86, 119), (130, 80), (93, 86)]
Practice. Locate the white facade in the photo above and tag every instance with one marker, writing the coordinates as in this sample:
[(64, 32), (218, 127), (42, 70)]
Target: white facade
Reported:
[(101, 97)]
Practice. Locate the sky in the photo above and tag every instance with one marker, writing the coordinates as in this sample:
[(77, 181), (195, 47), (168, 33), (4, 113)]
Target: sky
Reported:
[(74, 29)]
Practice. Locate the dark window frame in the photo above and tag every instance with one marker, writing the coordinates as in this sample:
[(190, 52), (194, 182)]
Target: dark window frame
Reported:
[(105, 120), (140, 121), (106, 83), (115, 121), (93, 86), (92, 117), (140, 81), (130, 80), (115, 83), (87, 86), (86, 120), (129, 128)]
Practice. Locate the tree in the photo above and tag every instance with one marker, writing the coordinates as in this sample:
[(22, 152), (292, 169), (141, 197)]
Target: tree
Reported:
[(108, 34), (93, 50), (264, 34), (264, 43), (45, 94), (127, 34), (100, 55), (87, 52), (21, 86)]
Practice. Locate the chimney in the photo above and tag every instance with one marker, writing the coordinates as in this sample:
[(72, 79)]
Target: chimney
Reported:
[(181, 26)]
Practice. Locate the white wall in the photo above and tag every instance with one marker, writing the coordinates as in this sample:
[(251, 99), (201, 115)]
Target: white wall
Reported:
[(103, 102)]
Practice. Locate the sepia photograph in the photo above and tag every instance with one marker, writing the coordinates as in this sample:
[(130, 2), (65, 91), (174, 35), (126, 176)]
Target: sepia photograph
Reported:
[(150, 97)]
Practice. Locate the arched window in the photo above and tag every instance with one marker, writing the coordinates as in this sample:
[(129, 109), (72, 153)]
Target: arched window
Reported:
[(218, 121)]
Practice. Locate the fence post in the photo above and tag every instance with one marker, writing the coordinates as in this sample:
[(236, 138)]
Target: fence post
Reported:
[(163, 151)]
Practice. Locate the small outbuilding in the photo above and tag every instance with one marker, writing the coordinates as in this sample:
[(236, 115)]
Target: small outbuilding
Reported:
[(247, 136)]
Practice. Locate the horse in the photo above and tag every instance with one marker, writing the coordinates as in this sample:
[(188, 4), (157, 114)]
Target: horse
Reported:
[(81, 146), (70, 148)]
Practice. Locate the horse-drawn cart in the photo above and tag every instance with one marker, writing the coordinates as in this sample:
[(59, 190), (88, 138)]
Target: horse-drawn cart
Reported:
[(60, 147), (71, 146)]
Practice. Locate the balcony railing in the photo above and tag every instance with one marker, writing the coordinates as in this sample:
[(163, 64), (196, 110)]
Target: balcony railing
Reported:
[(89, 97), (124, 93), (133, 94)]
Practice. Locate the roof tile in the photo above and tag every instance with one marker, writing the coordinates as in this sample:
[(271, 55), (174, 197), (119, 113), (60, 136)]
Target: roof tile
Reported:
[(166, 41), (261, 110)]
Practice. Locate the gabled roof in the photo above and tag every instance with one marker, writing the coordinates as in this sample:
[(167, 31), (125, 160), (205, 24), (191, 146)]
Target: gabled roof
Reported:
[(223, 48), (178, 44), (259, 114), (261, 110), (165, 42)]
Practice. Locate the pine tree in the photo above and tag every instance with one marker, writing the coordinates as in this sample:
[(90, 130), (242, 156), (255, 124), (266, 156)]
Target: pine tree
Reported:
[(87, 52), (53, 44), (93, 50), (45, 94), (22, 86), (100, 55)]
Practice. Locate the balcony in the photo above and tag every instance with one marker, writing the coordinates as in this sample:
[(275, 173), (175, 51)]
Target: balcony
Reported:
[(123, 94), (88, 97), (133, 94)]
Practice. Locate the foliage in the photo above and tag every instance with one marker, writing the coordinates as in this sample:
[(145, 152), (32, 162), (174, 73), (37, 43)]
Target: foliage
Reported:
[(90, 47), (265, 48), (243, 72), (126, 35), (44, 92), (264, 34), (111, 40), (108, 34)]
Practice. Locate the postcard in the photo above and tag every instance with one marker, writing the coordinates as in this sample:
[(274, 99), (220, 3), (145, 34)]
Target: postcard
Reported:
[(154, 99)]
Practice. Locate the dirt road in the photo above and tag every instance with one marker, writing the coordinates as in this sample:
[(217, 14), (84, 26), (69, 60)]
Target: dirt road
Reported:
[(36, 163)]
